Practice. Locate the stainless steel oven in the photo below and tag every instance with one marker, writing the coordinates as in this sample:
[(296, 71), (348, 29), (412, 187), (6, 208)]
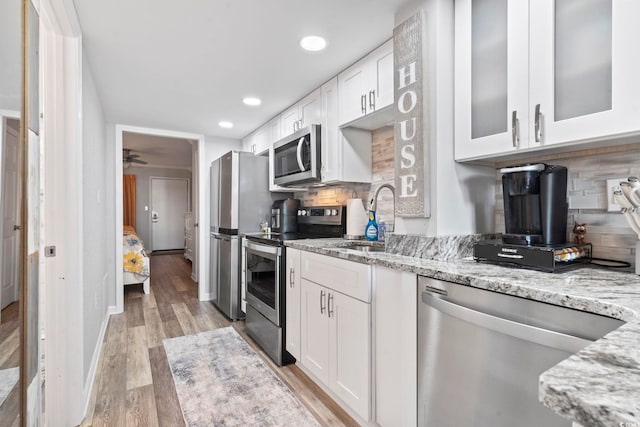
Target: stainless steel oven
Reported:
[(296, 158), (262, 275)]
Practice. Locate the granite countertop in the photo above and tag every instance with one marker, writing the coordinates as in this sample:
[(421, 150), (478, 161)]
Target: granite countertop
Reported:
[(598, 386)]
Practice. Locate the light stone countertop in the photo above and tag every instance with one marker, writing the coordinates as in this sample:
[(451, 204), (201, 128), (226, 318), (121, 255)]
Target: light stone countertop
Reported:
[(598, 386)]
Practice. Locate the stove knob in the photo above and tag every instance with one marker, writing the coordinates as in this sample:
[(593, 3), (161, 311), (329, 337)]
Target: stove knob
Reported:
[(299, 212), (303, 212), (334, 212), (327, 212)]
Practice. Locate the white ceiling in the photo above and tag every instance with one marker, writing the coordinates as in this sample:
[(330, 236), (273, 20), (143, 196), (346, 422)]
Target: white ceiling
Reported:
[(186, 65), (158, 151)]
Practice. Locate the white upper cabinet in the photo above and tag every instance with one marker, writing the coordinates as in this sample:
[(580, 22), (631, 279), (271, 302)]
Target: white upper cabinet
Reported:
[(533, 74), (259, 141), (342, 159), (306, 112), (367, 85)]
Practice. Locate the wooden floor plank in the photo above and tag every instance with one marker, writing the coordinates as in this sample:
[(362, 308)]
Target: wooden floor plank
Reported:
[(169, 412), (10, 409), (153, 323), (172, 329), (138, 368), (111, 399), (141, 407), (9, 346), (186, 320), (133, 308)]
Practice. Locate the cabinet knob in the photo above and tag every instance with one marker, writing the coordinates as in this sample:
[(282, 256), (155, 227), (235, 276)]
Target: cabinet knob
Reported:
[(330, 305), (322, 307), (363, 103), (372, 100)]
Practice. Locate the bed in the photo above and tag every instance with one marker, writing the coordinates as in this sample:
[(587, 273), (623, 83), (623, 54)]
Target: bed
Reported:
[(136, 263)]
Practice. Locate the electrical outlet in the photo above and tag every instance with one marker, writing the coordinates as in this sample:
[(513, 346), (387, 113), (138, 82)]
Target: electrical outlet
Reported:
[(613, 185)]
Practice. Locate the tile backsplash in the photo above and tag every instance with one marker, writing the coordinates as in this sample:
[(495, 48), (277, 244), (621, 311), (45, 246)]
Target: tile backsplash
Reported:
[(589, 170), (382, 173)]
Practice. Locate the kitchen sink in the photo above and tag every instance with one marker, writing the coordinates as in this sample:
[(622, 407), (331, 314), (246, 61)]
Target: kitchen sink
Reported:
[(365, 248)]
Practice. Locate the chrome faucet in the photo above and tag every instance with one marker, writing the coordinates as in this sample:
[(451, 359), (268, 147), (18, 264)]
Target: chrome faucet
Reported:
[(374, 202)]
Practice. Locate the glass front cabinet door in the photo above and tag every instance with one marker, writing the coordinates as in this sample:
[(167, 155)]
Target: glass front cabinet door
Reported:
[(532, 74)]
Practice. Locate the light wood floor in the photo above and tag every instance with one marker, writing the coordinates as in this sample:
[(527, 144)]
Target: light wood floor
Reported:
[(10, 358), (133, 384)]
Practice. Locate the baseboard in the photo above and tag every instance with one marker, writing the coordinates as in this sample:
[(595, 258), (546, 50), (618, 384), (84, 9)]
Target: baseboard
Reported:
[(88, 386), (112, 309), (205, 297)]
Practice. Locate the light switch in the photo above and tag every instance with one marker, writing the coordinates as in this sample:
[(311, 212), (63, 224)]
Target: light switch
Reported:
[(146, 208)]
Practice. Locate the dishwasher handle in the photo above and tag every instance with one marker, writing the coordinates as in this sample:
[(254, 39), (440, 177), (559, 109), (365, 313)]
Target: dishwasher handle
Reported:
[(557, 340)]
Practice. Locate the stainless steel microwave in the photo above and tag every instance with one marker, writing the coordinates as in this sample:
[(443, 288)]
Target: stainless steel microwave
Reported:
[(296, 158)]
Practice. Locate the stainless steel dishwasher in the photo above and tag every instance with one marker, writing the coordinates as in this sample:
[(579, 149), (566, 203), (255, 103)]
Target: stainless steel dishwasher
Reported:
[(480, 354)]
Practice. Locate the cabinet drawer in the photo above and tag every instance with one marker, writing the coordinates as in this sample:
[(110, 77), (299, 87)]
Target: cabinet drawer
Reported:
[(347, 277)]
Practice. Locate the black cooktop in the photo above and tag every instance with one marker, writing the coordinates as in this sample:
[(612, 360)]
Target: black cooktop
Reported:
[(278, 238)]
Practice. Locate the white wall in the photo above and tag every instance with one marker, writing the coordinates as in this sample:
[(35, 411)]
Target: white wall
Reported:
[(213, 149), (143, 196), (97, 276), (10, 54), (461, 195)]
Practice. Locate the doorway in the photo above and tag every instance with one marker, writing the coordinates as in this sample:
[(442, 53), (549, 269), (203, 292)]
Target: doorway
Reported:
[(169, 203), (10, 211), (196, 194)]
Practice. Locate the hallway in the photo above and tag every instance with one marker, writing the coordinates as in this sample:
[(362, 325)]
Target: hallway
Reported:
[(134, 385)]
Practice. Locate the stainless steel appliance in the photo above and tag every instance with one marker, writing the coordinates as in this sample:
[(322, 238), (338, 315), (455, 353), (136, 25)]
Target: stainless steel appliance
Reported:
[(480, 354), (240, 199), (264, 268), (296, 158)]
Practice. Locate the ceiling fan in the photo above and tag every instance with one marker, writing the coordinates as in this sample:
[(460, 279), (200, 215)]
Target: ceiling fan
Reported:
[(127, 157)]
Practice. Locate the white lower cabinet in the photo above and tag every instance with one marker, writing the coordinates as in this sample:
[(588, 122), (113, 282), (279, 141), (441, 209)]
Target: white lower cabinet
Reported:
[(335, 329), (395, 319), (292, 299)]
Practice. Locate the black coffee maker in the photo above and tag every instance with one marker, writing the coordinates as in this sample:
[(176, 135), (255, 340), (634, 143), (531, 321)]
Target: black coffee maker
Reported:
[(284, 216), (535, 204), (535, 216)]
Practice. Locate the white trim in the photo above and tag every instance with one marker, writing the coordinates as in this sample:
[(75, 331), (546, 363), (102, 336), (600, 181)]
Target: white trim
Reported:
[(91, 376), (200, 180), (112, 309), (152, 165)]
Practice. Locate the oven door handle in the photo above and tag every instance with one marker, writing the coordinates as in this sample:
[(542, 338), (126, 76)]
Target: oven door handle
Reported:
[(299, 154), (264, 249)]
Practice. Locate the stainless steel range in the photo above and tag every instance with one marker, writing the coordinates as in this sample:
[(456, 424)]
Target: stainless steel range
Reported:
[(264, 268)]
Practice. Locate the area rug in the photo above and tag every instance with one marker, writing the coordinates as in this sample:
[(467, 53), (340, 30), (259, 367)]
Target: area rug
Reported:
[(221, 381), (8, 379)]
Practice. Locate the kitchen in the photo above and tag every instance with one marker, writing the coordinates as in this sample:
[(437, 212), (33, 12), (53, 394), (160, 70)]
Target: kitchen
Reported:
[(475, 119), (377, 397)]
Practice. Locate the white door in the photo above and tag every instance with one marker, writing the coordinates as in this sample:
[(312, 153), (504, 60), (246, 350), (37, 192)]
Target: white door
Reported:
[(314, 337), (169, 202), (293, 302), (350, 347), (10, 191)]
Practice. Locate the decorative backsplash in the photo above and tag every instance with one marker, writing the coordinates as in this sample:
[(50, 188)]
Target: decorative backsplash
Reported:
[(589, 170), (382, 173)]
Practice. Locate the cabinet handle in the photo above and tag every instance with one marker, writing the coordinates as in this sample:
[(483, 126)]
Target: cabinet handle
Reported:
[(291, 277), (372, 99), (330, 305), (515, 129), (322, 308), (538, 124), (363, 103)]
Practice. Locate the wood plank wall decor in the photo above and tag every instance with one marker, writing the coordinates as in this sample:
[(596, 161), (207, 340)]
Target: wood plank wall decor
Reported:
[(412, 175)]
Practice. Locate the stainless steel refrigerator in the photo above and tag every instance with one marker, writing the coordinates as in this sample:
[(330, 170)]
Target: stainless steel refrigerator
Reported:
[(240, 200)]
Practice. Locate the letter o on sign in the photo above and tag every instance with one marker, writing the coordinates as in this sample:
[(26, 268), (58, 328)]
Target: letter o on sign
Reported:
[(413, 100)]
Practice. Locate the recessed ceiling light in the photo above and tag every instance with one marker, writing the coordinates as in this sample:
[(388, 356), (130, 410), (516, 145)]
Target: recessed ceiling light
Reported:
[(226, 125), (252, 101), (313, 43)]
